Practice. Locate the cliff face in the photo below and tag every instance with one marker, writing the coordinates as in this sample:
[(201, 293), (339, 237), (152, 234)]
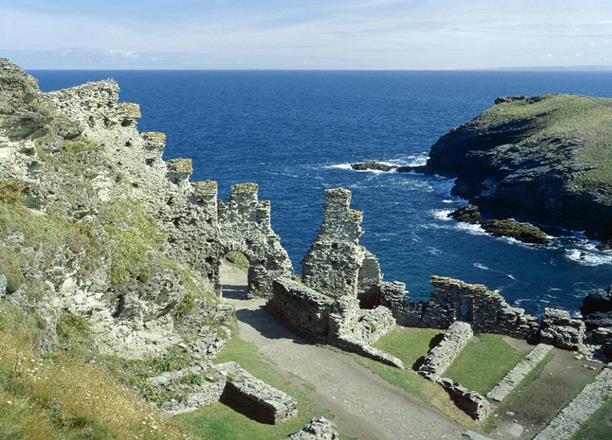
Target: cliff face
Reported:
[(94, 223), (546, 158)]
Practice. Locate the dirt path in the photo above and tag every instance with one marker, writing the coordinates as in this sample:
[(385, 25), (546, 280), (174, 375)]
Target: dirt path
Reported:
[(365, 405)]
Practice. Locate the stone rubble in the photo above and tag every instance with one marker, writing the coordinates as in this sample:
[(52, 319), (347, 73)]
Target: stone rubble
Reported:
[(317, 429), (441, 356), (579, 410), (560, 330), (519, 372)]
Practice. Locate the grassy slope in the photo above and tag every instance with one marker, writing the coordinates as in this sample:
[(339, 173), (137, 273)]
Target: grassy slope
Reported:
[(585, 119), (220, 422), (66, 395), (490, 357)]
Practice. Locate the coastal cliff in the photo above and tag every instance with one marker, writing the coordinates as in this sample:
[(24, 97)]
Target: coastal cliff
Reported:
[(546, 159)]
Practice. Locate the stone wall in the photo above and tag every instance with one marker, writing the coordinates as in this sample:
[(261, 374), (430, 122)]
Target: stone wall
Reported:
[(470, 402), (255, 398), (244, 224), (560, 330), (519, 372), (442, 355), (304, 310)]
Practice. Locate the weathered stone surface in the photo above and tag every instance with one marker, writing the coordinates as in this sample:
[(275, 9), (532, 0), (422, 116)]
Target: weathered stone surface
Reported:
[(244, 223), (373, 165), (255, 398), (519, 372), (466, 214), (374, 324), (603, 336), (521, 231), (317, 429), (190, 388), (579, 410), (470, 402), (406, 313), (442, 355), (560, 330), (301, 308)]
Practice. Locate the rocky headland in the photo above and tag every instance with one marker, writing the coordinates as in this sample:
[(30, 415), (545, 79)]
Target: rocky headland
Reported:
[(545, 159)]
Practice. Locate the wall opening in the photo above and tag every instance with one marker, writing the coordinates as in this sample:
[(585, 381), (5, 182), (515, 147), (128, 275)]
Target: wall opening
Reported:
[(234, 275), (464, 313)]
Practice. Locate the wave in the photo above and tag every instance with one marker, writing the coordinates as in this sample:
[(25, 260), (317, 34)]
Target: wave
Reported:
[(417, 160), (470, 228), (481, 266), (441, 214), (588, 255)]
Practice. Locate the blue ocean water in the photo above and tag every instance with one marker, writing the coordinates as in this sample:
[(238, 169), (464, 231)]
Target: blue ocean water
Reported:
[(295, 132)]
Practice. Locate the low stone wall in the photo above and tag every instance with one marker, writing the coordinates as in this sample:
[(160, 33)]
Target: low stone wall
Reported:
[(317, 429), (3, 285), (470, 402), (191, 388), (579, 410), (255, 398), (519, 372), (560, 330), (442, 355), (300, 308), (358, 346), (374, 324)]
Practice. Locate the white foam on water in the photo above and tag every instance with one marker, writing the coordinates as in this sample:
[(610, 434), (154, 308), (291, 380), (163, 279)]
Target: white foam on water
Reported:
[(470, 228), (481, 266), (339, 166), (588, 255), (448, 202), (441, 214), (417, 160), (512, 277)]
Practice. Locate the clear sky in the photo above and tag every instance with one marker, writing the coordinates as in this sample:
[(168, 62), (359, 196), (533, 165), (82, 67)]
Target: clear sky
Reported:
[(316, 34)]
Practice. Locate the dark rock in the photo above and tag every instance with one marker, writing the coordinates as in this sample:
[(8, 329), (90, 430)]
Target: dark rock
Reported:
[(518, 159), (467, 214), (596, 309), (374, 166), (605, 245), (509, 227)]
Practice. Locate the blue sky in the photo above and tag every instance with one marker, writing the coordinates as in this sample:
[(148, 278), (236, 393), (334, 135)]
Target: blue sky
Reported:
[(333, 34)]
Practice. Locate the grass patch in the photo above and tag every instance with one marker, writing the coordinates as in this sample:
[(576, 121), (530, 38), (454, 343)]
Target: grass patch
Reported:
[(599, 425), (484, 362), (409, 345), (62, 396), (238, 259), (220, 422)]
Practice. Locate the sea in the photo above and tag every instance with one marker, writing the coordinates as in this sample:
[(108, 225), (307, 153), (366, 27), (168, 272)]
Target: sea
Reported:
[(295, 133)]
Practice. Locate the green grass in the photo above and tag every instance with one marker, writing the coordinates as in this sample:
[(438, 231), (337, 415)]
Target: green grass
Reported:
[(238, 259), (219, 422), (599, 426), (484, 362), (409, 345), (586, 120)]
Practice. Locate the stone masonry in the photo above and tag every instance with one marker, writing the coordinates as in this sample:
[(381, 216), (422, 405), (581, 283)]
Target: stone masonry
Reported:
[(441, 356), (560, 330), (519, 372), (255, 398)]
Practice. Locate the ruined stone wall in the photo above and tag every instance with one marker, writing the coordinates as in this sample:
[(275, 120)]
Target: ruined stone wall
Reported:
[(244, 224), (334, 260)]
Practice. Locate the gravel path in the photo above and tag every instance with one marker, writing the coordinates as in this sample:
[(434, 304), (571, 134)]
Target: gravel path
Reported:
[(365, 405)]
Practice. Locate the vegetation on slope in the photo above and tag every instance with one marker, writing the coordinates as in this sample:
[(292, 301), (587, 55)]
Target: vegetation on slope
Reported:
[(66, 395)]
